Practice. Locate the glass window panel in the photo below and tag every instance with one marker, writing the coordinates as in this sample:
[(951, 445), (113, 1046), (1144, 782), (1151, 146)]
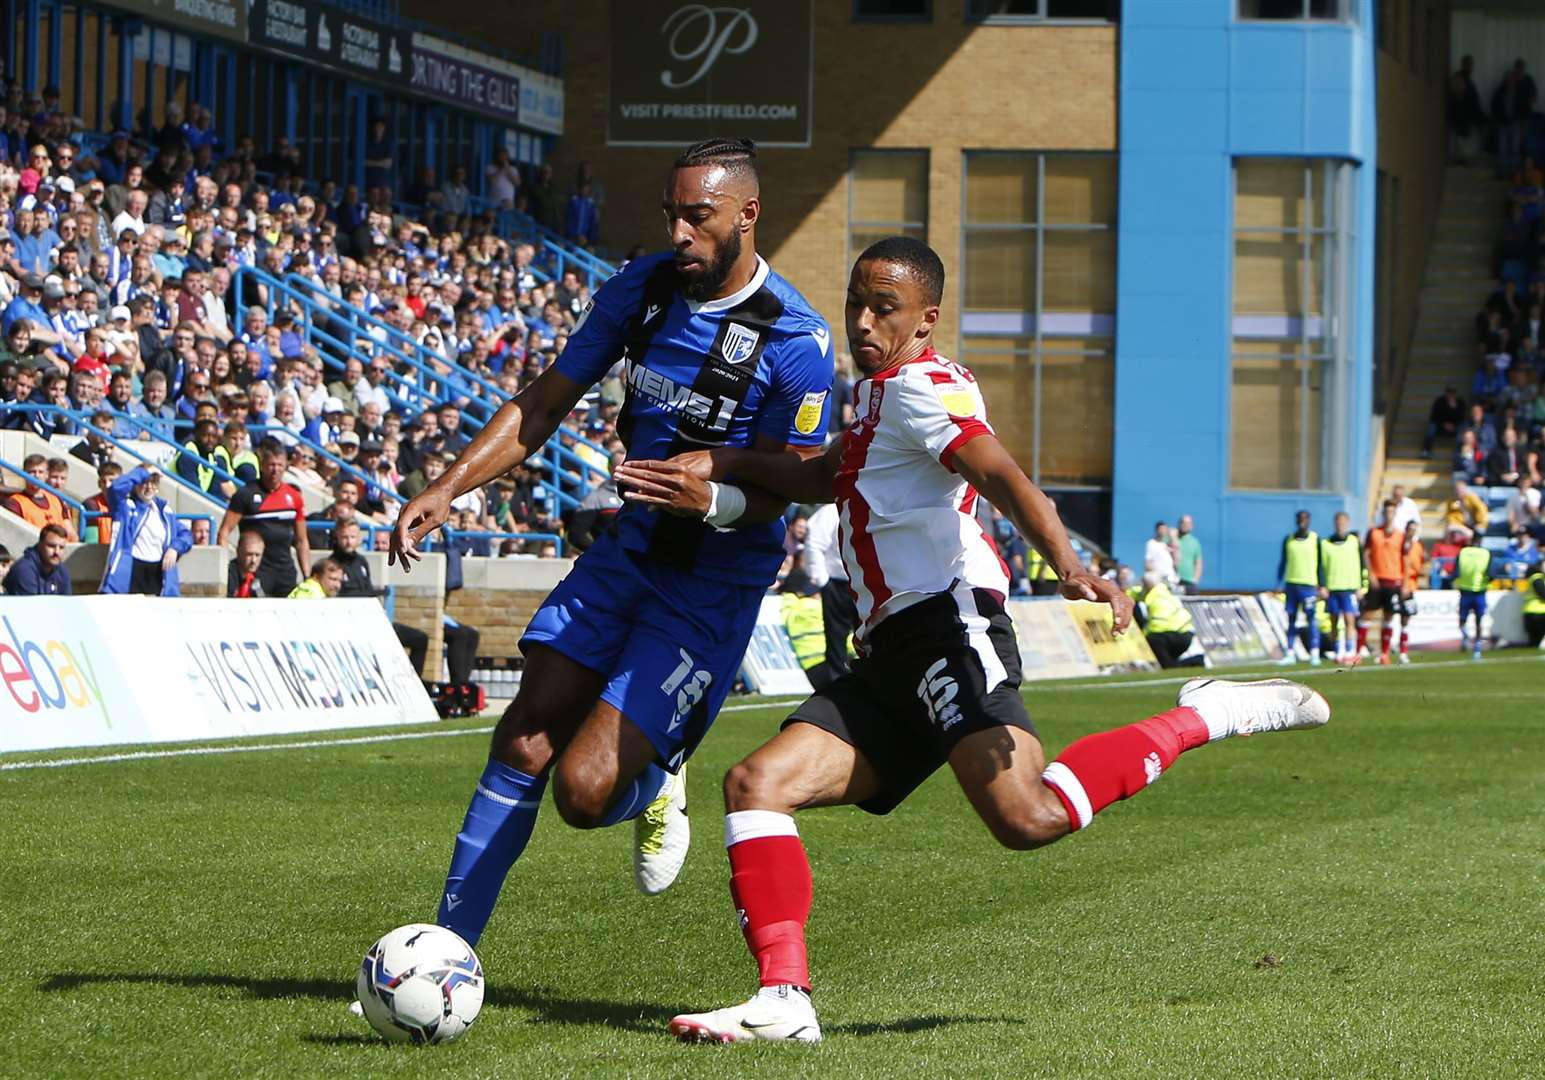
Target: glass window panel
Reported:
[(1000, 189), (1000, 271), (892, 9), (990, 9), (1078, 396), (1278, 411), (1005, 373), (1080, 271), (1080, 189), (1272, 9), (1268, 194), (1082, 9), (890, 187)]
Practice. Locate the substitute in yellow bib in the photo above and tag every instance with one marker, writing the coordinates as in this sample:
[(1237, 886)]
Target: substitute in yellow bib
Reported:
[(1165, 621), (1534, 609), (1472, 576), (1341, 575)]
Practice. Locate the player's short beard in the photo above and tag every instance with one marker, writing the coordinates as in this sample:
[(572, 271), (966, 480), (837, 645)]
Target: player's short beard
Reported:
[(715, 273)]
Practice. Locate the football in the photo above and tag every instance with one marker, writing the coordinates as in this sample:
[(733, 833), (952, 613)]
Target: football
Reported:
[(421, 984)]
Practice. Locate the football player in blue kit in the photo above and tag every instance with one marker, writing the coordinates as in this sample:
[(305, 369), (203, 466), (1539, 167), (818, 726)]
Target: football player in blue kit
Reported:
[(630, 657)]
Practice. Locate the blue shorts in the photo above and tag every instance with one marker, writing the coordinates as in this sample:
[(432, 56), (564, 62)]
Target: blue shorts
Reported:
[(1471, 602), (668, 642), (1341, 602), (1300, 596)]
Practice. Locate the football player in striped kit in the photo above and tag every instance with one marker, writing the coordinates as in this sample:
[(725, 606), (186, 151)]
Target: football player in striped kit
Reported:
[(939, 679)]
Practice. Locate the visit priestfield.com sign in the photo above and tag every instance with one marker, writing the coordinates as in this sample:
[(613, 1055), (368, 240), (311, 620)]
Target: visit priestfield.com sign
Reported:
[(684, 71)]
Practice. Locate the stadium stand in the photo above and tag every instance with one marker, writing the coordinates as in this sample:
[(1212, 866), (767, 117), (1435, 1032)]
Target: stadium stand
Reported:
[(1475, 404), (165, 281)]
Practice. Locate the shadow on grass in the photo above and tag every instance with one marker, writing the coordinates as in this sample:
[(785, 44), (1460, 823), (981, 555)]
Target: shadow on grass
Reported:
[(911, 1025), (549, 1006)]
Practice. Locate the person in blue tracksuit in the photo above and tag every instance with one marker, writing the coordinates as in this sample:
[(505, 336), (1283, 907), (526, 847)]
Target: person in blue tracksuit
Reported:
[(147, 537)]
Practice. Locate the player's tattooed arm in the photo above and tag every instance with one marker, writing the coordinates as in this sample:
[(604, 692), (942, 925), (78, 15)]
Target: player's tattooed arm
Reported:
[(522, 426), (772, 476), (989, 468)]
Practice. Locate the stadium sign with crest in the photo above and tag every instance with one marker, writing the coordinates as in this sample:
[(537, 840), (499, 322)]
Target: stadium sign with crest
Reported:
[(684, 71)]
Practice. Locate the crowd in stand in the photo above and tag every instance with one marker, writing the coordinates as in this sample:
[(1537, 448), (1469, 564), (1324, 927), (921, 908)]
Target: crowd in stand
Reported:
[(1496, 433), (121, 300)]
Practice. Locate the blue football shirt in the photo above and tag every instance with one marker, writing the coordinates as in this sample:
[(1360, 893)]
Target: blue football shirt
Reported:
[(698, 375)]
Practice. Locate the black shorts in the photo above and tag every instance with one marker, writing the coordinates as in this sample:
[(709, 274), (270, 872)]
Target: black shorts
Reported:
[(1381, 598), (936, 672)]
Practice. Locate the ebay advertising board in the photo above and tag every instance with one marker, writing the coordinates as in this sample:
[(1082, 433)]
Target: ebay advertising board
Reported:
[(106, 670)]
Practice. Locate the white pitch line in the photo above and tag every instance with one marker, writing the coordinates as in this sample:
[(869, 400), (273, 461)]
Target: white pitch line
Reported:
[(310, 744), (1302, 670)]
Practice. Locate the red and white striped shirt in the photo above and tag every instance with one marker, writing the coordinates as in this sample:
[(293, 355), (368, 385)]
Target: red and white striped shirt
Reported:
[(908, 531)]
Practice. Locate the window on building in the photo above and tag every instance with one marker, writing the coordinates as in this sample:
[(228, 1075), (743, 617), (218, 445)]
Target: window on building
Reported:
[(1298, 9), (1033, 11), (1038, 320), (887, 196), (893, 10), (1292, 325)]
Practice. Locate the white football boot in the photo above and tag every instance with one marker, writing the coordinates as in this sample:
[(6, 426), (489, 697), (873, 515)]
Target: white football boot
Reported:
[(1245, 708), (777, 1013), (661, 836)]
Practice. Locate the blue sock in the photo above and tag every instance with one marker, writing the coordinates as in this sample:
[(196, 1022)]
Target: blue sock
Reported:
[(1314, 630), (498, 825), (644, 790)]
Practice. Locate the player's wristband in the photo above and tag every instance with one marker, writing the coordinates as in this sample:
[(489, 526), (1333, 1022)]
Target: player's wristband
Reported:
[(726, 503)]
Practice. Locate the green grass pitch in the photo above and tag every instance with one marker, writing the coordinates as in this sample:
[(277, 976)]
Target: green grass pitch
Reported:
[(1364, 900)]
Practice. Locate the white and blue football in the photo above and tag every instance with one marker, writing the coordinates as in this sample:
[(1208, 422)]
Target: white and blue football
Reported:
[(420, 983)]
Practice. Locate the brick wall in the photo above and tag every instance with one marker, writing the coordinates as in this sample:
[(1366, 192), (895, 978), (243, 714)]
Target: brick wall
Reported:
[(946, 85), (500, 616)]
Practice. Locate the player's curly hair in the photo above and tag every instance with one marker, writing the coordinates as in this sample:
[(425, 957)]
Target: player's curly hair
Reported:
[(734, 155), (920, 260)]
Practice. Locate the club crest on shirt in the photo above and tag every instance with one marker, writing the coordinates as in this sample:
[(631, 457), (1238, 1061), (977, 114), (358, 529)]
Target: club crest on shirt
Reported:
[(808, 418), (872, 416), (956, 399), (739, 343)]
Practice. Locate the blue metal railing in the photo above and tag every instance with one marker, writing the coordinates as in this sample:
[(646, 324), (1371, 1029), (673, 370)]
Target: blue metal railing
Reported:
[(83, 418)]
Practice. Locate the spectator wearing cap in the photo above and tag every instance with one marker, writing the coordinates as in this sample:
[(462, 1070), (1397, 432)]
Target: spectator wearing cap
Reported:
[(331, 426), (171, 259), (40, 570), (147, 538), (28, 305)]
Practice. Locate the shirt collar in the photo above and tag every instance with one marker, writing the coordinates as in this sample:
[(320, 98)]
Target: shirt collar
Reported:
[(739, 296)]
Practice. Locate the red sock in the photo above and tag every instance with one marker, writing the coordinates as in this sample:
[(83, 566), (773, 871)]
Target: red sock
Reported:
[(1362, 636), (770, 884), (1384, 635), (1100, 769), (1405, 639)]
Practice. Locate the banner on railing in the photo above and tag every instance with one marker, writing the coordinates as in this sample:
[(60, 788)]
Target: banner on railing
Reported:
[(1050, 644), (770, 666), (1233, 629), (101, 670), (1111, 652)]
